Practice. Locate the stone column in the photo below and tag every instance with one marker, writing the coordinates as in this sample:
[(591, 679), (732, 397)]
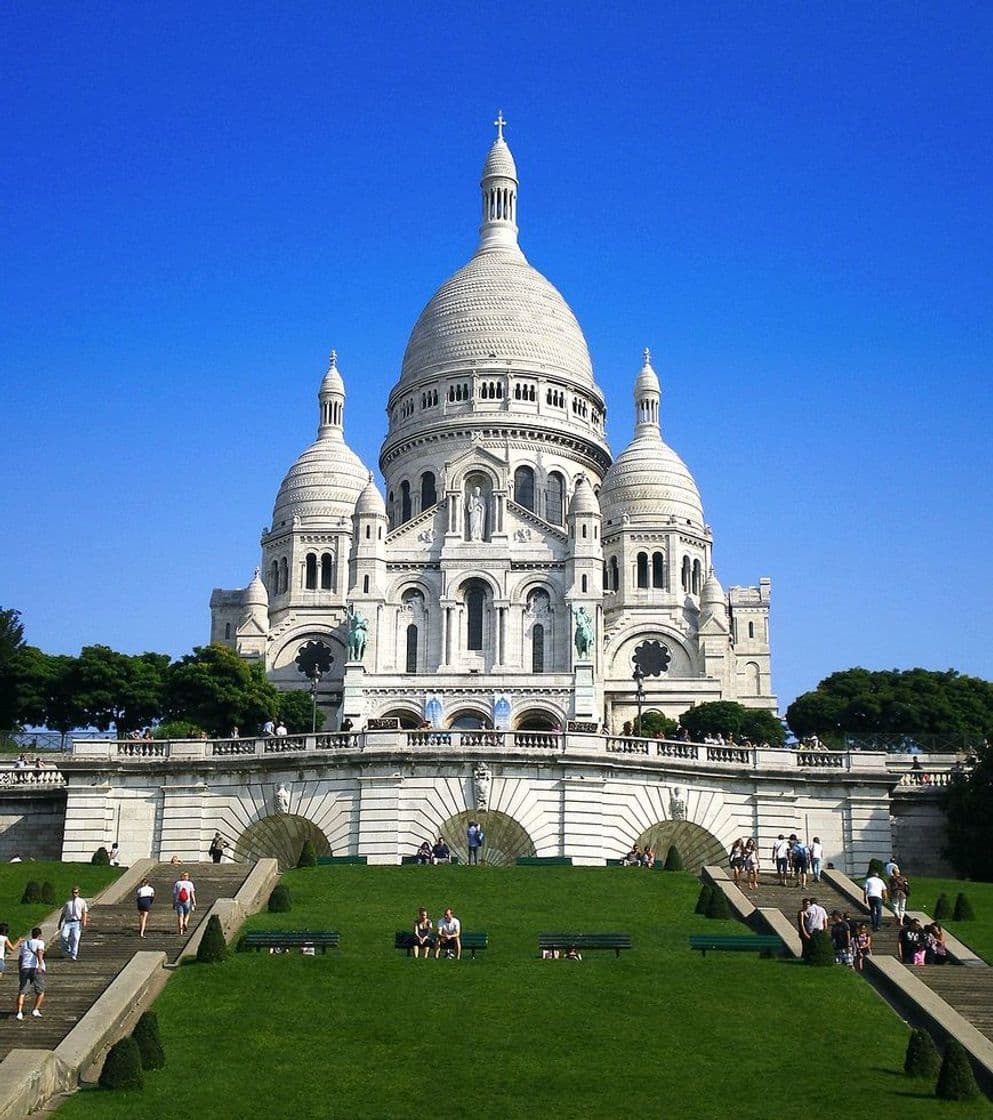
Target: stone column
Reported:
[(582, 817), (379, 817)]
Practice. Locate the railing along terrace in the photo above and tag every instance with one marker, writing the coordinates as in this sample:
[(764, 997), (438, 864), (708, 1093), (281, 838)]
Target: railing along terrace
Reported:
[(31, 777)]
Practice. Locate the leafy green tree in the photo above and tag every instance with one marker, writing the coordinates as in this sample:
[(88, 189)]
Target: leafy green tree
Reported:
[(118, 689), (43, 684), (727, 717), (969, 814), (215, 689), (11, 642), (654, 723), (296, 710), (908, 701)]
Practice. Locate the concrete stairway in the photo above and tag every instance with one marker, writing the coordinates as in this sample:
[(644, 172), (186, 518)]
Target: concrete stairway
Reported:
[(968, 990), (106, 947)]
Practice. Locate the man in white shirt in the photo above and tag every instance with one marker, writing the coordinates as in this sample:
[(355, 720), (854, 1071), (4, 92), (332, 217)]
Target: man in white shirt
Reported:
[(449, 936), (75, 917), (781, 858), (184, 900), (816, 858), (32, 973), (816, 916), (874, 892)]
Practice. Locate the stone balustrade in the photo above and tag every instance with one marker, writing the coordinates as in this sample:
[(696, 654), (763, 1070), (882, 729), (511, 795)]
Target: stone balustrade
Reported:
[(21, 777)]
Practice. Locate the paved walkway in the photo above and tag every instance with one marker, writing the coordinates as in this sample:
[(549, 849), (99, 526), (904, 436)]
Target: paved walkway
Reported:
[(106, 947)]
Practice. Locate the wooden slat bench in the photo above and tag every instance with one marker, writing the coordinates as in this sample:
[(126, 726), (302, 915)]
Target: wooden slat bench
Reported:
[(544, 861), (259, 939), (736, 943), (324, 861), (472, 941), (413, 859), (584, 941)]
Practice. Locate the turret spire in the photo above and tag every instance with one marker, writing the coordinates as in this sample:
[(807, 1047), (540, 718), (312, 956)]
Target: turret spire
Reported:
[(647, 398), (331, 398), (499, 184)]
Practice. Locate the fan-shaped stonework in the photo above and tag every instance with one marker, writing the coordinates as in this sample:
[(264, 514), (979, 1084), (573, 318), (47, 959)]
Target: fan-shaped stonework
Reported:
[(697, 846), (504, 838), (279, 837)]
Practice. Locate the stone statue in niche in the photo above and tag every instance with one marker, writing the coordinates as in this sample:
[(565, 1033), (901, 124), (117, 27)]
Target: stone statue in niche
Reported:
[(677, 804), (476, 509), (584, 634), (481, 784), (358, 632), (282, 799)]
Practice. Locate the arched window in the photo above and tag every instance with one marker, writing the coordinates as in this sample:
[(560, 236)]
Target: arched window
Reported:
[(429, 495), (227, 631), (615, 574), (524, 487), (554, 498), (310, 581), (475, 599), (606, 576), (585, 583), (641, 577), (284, 574), (327, 571), (404, 501), (412, 648), (751, 629), (537, 648), (696, 577), (685, 577), (752, 679), (658, 569), (274, 578), (365, 585)]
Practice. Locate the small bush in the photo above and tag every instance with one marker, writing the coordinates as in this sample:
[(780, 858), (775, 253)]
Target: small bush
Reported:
[(818, 950), (718, 906), (101, 856), (279, 900), (32, 891), (308, 858), (212, 948), (922, 1058), (149, 1041), (122, 1067), (963, 909), (673, 860), (942, 908), (876, 867), (956, 1081), (703, 902), (47, 893)]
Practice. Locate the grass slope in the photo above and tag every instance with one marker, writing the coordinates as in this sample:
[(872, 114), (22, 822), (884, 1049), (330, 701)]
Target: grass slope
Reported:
[(15, 876), (368, 1033), (978, 934)]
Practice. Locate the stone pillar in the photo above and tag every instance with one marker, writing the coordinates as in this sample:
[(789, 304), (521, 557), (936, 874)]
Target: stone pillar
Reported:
[(89, 821), (353, 694), (182, 820), (379, 817), (584, 705), (867, 823), (582, 818)]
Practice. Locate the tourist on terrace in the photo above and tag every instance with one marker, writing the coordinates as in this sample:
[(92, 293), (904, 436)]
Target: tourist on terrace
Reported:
[(440, 853), (648, 857), (449, 936), (474, 841), (424, 853)]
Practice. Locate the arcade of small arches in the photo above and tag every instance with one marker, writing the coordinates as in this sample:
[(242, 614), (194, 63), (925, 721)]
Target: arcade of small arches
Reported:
[(650, 571)]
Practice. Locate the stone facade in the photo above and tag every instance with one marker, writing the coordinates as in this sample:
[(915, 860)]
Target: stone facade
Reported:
[(514, 571)]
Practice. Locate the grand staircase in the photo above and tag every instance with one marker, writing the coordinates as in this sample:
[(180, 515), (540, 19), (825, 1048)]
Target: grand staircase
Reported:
[(106, 947)]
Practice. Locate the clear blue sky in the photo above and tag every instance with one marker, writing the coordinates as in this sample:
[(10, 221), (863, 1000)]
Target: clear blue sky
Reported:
[(789, 203)]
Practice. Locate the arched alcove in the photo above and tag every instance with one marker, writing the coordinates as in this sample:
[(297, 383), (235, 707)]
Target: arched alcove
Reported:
[(537, 719), (504, 839), (696, 845), (409, 721), (280, 837)]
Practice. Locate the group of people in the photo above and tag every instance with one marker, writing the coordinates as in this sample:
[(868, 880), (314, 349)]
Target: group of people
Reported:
[(922, 944), (438, 852), (639, 858), (851, 937), (795, 859), (445, 938), (892, 887), (744, 861)]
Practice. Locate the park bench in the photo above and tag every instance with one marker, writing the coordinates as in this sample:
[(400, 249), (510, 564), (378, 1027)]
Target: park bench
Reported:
[(736, 943), (584, 941), (324, 861), (472, 942), (544, 861), (413, 859), (284, 939)]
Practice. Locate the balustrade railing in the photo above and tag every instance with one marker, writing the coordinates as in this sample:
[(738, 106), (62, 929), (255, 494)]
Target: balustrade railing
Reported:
[(31, 777)]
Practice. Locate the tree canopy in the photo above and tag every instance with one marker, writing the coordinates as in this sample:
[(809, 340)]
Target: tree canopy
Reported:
[(910, 701), (217, 690), (11, 641), (727, 717)]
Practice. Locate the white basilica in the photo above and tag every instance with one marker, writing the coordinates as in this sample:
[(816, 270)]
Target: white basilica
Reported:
[(515, 574)]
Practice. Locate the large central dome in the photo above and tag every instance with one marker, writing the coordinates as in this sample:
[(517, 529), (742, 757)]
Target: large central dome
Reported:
[(498, 306)]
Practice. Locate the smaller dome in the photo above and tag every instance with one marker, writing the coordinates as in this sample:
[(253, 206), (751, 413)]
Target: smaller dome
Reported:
[(255, 594), (332, 382), (370, 501), (323, 483), (712, 594), (647, 380), (499, 161), (583, 498), (648, 483)]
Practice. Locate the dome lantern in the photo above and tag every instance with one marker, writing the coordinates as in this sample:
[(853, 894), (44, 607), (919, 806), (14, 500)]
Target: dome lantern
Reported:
[(499, 185), (647, 398), (331, 397)]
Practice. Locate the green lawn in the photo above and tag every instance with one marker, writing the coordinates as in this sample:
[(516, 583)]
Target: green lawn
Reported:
[(14, 876), (978, 934)]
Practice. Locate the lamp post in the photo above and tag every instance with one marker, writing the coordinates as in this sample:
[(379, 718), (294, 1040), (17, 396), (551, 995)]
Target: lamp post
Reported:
[(315, 680), (638, 677)]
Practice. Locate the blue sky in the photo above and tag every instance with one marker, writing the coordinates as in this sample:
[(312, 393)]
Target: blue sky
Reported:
[(790, 204)]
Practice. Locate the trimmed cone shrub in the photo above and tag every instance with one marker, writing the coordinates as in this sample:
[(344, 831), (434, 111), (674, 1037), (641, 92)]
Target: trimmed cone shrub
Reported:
[(279, 900), (876, 867), (122, 1068), (956, 1081), (212, 948), (942, 908), (673, 860), (922, 1058), (718, 907), (818, 950), (963, 909), (703, 902), (149, 1041), (32, 891), (102, 856), (307, 855), (47, 893)]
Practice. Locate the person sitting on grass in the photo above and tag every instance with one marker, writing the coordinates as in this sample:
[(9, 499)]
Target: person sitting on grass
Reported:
[(449, 939), (440, 852)]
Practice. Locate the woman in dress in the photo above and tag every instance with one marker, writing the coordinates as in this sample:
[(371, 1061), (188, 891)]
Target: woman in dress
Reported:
[(144, 896), (737, 859), (423, 934), (752, 865)]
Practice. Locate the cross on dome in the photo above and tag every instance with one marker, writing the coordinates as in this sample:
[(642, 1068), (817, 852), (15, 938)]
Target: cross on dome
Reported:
[(333, 359), (500, 123), (648, 356)]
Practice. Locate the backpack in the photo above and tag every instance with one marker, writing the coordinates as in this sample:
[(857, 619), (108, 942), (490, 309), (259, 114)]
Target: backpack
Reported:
[(183, 896)]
